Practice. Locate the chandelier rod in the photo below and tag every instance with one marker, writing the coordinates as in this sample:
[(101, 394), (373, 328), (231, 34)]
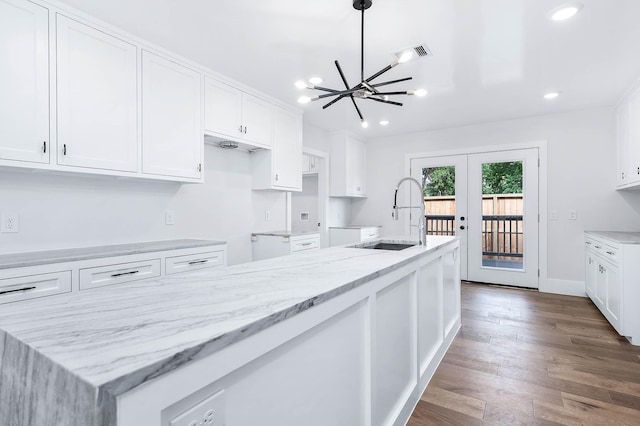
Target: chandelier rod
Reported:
[(362, 41)]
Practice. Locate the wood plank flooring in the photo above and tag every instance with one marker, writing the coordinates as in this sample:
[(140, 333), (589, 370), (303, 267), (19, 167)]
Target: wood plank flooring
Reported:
[(529, 358)]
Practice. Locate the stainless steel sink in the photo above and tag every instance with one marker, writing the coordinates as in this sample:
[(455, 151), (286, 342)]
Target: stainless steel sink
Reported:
[(386, 246)]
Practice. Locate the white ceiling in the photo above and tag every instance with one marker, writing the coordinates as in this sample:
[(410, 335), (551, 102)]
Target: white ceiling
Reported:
[(493, 59)]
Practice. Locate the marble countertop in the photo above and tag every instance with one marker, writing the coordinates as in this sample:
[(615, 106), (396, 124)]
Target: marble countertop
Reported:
[(285, 233), (118, 337), (618, 237), (20, 260), (355, 227)]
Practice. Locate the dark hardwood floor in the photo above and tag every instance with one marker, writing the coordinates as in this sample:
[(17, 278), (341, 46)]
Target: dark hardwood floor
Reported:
[(529, 358)]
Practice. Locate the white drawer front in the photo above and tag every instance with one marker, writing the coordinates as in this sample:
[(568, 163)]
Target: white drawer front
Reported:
[(369, 234), (192, 262), (306, 244), (119, 273), (610, 253), (33, 286)]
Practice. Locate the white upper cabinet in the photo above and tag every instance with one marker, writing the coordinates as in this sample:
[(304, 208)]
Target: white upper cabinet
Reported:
[(628, 141), (96, 98), (24, 82), (348, 166), (280, 168), (233, 114), (172, 142)]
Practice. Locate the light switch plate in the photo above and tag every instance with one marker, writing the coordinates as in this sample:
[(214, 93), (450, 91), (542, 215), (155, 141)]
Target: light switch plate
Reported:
[(554, 215), (573, 215), (169, 218), (267, 215)]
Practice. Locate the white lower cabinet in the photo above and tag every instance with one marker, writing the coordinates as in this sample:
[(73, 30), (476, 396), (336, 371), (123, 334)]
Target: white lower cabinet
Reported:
[(172, 141), (361, 358), (41, 279), (265, 246), (18, 288), (611, 276), (97, 99), (24, 83), (339, 236)]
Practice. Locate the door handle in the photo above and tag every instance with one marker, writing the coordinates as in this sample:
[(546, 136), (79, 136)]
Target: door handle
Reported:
[(462, 227)]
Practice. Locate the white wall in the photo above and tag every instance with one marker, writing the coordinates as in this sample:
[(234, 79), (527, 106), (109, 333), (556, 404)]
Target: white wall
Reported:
[(581, 176), (307, 202), (60, 211)]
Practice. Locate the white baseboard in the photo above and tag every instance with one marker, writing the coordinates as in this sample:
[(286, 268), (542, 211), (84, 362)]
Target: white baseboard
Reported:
[(566, 287)]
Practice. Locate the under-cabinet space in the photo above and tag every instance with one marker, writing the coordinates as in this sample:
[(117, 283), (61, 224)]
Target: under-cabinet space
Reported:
[(24, 83), (172, 143), (267, 246), (352, 234), (97, 99)]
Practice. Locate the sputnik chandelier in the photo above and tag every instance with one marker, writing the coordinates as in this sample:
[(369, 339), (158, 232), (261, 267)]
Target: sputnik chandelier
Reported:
[(366, 89)]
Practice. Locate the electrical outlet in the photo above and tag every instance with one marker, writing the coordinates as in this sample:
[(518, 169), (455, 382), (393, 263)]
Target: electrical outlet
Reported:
[(10, 223), (573, 215), (554, 214), (169, 218), (267, 215), (210, 412)]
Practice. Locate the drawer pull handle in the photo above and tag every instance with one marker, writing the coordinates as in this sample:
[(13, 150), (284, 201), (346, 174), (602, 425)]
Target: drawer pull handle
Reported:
[(198, 262), (611, 253), (372, 235), (17, 290), (588, 243), (306, 244), (119, 274), (598, 247)]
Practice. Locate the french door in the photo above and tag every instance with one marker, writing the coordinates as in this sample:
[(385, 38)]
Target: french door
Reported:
[(490, 201)]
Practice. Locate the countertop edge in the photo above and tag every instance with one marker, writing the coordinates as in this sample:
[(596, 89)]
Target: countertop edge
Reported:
[(620, 237)]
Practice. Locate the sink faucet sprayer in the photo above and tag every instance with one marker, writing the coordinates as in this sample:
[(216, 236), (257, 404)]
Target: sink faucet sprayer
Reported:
[(423, 221)]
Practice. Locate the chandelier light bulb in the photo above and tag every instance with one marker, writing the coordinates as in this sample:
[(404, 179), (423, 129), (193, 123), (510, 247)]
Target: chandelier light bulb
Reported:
[(551, 95), (304, 99), (407, 55), (301, 84), (384, 123), (420, 92), (364, 124), (315, 80)]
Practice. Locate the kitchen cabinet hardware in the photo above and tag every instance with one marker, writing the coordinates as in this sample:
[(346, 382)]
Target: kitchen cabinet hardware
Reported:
[(44, 147), (64, 149), (198, 262), (611, 253), (200, 167), (120, 274), (306, 244), (598, 247), (276, 176), (16, 290), (588, 243), (240, 129), (245, 130)]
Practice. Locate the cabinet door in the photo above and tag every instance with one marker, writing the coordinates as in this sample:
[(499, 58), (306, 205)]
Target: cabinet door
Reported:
[(600, 286), (622, 143), (24, 81), (97, 94), (614, 295), (306, 163), (172, 139), (222, 109), (634, 137), (257, 120), (287, 149), (355, 154)]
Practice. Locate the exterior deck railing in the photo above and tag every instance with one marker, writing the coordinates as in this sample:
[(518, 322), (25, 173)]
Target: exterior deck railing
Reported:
[(502, 235)]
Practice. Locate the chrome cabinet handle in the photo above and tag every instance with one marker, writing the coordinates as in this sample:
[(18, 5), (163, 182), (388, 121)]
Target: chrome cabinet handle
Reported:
[(17, 290), (611, 253), (198, 262), (199, 167), (598, 247), (588, 243), (119, 274), (240, 129), (306, 244), (64, 149), (245, 130), (44, 147)]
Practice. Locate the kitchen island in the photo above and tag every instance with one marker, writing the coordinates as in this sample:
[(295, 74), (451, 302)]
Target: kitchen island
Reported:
[(339, 336)]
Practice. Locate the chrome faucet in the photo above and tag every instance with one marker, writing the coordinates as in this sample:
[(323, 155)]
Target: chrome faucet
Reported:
[(423, 221)]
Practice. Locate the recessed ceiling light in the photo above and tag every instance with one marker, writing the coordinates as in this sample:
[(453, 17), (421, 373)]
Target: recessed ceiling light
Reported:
[(552, 95), (565, 12), (315, 80), (301, 84), (384, 123)]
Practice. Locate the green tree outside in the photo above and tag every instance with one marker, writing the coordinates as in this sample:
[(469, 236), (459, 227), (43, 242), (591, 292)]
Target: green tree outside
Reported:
[(497, 178)]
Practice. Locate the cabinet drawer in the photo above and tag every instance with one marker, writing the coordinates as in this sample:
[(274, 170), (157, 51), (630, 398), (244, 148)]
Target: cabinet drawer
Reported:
[(119, 273), (369, 234), (33, 286), (192, 262), (305, 244), (610, 253)]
